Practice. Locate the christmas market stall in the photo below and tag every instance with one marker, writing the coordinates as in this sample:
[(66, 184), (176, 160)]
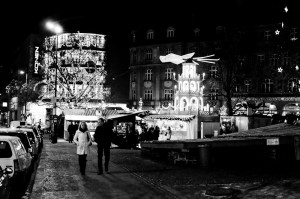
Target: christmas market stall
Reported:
[(80, 115), (182, 126)]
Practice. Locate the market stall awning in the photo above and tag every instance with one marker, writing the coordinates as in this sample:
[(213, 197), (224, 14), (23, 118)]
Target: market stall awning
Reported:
[(171, 117)]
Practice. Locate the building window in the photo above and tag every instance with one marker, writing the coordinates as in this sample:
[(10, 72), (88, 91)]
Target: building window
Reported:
[(268, 86), (213, 71), (134, 76), (197, 33), (293, 85), (267, 35), (169, 50), (168, 94), (149, 54), (170, 32), (220, 30), (133, 95), (148, 75), (133, 36), (213, 95), (261, 60), (148, 94), (134, 57), (293, 34), (274, 60), (150, 34), (248, 85), (169, 74), (286, 59)]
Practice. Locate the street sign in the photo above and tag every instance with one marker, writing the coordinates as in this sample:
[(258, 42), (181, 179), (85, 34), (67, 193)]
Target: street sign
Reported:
[(273, 141)]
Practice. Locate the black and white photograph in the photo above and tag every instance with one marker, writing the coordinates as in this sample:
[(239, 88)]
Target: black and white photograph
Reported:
[(150, 99)]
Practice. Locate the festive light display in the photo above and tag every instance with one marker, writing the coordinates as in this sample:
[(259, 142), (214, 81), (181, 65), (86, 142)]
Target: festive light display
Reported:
[(178, 59), (80, 68)]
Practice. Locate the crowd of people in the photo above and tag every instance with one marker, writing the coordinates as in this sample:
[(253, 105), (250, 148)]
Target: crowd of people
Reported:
[(149, 133)]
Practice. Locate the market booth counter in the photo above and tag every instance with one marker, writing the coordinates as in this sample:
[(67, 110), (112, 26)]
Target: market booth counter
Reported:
[(182, 126), (91, 121)]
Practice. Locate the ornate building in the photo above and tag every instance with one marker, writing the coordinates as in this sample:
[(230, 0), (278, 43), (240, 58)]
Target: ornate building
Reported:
[(74, 63), (260, 62)]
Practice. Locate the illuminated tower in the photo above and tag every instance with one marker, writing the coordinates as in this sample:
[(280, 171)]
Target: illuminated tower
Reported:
[(189, 95)]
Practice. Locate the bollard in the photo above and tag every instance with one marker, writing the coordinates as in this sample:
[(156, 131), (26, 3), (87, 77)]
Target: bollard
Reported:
[(205, 155)]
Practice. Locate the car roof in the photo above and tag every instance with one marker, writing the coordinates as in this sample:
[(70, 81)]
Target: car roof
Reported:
[(19, 134), (24, 129), (6, 137)]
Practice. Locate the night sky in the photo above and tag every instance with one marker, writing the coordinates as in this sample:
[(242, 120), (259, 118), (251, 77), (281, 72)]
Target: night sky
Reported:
[(19, 20)]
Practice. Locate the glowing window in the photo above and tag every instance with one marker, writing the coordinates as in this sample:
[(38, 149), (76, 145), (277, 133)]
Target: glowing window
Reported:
[(170, 32)]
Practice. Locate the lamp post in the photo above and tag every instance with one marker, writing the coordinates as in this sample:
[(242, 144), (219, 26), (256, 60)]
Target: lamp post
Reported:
[(21, 72), (57, 29)]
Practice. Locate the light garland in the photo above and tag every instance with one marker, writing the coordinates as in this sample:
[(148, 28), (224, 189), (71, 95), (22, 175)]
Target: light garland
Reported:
[(80, 71)]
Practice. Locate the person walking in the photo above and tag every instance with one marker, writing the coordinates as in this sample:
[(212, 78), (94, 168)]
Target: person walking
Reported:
[(83, 140), (102, 136), (72, 131), (169, 133)]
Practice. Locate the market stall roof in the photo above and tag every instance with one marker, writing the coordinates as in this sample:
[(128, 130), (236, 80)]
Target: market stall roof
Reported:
[(281, 129), (125, 114), (171, 117), (87, 112)]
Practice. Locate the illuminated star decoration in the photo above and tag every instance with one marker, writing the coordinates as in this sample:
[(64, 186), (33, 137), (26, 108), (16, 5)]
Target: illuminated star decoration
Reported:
[(280, 70), (178, 59), (286, 9), (297, 67), (277, 32)]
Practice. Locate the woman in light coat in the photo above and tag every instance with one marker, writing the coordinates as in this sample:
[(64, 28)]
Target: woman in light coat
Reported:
[(83, 140)]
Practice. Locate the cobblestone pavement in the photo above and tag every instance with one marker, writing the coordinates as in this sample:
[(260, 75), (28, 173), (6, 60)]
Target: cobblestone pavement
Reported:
[(58, 176), (192, 181), (134, 176)]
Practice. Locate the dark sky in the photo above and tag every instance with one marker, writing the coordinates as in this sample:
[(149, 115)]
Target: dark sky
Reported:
[(19, 20)]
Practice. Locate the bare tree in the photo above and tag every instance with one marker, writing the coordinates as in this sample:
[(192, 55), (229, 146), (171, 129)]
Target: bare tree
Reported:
[(233, 66)]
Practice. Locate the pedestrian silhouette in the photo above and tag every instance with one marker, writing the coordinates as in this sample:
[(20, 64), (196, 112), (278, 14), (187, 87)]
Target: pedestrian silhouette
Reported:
[(82, 139), (103, 135)]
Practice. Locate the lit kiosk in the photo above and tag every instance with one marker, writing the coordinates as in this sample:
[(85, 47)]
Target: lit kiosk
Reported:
[(188, 99)]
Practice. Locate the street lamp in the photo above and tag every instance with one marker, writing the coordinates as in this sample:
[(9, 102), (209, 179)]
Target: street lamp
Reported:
[(21, 72), (57, 29), (54, 27)]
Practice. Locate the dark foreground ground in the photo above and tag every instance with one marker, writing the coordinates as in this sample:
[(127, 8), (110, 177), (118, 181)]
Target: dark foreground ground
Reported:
[(136, 176)]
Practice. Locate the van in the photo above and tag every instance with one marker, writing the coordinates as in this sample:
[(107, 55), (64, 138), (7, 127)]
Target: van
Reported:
[(16, 123), (13, 155)]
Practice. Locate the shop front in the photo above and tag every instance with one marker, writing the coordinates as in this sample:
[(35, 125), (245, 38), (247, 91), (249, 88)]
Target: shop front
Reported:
[(182, 126), (91, 121)]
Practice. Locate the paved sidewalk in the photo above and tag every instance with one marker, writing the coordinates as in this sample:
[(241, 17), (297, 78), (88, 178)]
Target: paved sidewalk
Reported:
[(58, 176)]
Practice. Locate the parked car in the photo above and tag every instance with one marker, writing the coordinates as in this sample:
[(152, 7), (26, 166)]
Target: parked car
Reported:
[(23, 137), (13, 155), (32, 138), (39, 135), (5, 182)]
